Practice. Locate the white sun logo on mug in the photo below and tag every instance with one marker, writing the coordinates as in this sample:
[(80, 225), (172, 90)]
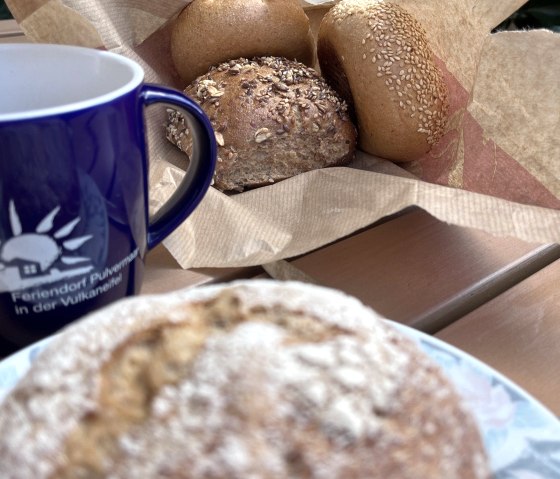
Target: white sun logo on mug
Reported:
[(28, 255)]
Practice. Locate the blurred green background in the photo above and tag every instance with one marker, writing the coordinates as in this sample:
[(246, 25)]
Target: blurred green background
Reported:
[(4, 12), (534, 14)]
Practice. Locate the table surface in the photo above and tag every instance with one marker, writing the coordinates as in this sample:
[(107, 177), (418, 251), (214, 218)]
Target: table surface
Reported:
[(495, 298)]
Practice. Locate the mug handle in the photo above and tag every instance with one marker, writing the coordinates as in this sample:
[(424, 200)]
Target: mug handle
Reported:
[(201, 167)]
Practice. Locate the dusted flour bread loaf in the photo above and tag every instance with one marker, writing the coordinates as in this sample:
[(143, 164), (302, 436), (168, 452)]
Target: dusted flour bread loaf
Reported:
[(274, 118), (256, 379), (379, 58), (208, 32)]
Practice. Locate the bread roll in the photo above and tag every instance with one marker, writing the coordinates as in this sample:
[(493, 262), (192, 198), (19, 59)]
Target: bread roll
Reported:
[(379, 58), (273, 118), (257, 379), (208, 32)]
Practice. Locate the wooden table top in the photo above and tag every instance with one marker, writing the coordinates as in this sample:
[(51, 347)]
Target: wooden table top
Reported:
[(518, 334)]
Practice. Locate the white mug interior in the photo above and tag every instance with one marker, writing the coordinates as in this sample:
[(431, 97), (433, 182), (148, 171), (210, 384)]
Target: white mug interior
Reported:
[(38, 80)]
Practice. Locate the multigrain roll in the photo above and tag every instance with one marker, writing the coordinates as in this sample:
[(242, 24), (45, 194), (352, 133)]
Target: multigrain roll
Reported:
[(379, 58), (274, 118), (257, 379), (209, 32)]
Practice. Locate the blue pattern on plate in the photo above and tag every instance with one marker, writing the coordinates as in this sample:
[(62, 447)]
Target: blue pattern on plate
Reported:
[(521, 436)]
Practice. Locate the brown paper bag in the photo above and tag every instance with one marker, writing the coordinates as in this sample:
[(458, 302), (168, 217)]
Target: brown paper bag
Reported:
[(497, 167)]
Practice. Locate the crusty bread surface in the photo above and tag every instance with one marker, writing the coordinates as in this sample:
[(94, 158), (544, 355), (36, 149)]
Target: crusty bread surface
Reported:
[(257, 378), (378, 57), (274, 118), (209, 32)]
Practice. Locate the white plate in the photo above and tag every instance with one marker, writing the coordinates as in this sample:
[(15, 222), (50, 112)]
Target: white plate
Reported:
[(521, 436)]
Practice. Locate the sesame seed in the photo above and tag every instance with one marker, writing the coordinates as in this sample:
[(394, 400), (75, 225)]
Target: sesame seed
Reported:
[(219, 138), (402, 46)]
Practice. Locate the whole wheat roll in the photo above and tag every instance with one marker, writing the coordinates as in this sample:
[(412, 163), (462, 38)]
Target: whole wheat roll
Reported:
[(274, 118), (257, 378), (209, 32), (378, 56)]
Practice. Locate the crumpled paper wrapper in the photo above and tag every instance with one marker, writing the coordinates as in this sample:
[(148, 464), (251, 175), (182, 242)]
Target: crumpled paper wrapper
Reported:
[(496, 168)]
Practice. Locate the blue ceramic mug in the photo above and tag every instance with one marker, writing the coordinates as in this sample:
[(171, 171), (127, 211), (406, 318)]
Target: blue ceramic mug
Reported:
[(74, 223)]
